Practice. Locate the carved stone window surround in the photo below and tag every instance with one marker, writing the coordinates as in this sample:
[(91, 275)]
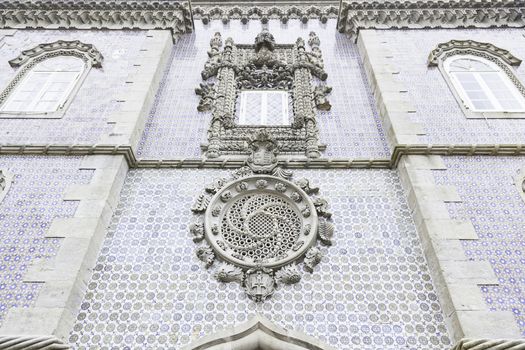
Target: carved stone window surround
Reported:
[(28, 59), (500, 57), (263, 66)]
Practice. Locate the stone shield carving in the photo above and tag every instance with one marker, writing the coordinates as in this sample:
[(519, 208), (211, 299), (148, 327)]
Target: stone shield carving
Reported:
[(259, 226)]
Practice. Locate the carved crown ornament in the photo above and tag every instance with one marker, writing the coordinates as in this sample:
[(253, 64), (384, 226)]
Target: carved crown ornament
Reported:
[(265, 65), (452, 47), (60, 47), (259, 224)]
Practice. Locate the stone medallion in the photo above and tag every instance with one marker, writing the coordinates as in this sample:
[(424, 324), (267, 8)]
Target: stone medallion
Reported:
[(259, 224)]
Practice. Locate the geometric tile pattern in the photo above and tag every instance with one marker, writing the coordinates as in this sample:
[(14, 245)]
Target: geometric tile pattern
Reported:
[(435, 106), (26, 212), (351, 129), (85, 119), (372, 289), (493, 204)]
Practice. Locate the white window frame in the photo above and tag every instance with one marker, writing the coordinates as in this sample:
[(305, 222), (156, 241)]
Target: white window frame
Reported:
[(243, 113), (486, 89), (27, 72)]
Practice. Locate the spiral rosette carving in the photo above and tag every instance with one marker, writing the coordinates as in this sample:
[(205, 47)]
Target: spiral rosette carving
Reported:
[(259, 227)]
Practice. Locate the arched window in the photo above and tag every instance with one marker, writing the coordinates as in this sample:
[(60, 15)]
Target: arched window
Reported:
[(45, 88), (481, 78), (483, 85), (49, 76)]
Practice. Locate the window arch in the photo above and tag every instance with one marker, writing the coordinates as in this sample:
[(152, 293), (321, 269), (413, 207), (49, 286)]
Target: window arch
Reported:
[(48, 79), (480, 77)]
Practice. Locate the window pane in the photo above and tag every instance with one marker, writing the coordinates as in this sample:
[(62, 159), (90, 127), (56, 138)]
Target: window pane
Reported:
[(264, 108), (501, 91), (470, 65), (474, 92)]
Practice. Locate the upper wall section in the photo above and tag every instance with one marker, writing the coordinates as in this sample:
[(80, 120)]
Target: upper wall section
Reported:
[(351, 129), (85, 120), (435, 106)]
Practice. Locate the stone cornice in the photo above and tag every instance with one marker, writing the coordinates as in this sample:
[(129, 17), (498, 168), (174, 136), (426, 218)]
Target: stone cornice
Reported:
[(444, 48), (50, 14), (286, 162), (88, 50), (355, 16)]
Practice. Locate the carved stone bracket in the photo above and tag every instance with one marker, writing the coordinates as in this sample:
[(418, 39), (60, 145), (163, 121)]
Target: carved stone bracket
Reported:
[(321, 10), (357, 15), (87, 51), (259, 225), (263, 65), (82, 14)]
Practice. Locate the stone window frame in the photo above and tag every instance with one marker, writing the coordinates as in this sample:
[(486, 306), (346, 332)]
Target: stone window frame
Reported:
[(502, 58), (264, 65), (28, 59), (6, 179)]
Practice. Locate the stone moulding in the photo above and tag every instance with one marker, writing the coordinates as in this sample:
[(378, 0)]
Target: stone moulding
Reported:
[(490, 344), (86, 51), (34, 343), (263, 12), (257, 333), (465, 45), (172, 15), (354, 16)]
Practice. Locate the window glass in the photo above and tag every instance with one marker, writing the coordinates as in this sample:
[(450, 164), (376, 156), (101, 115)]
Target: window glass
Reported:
[(484, 86), (46, 87), (264, 108)]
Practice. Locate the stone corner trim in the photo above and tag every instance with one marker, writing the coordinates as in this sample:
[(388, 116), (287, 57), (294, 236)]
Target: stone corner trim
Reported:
[(390, 14), (65, 276), (257, 333), (452, 45), (50, 14), (456, 278), (89, 51), (490, 344)]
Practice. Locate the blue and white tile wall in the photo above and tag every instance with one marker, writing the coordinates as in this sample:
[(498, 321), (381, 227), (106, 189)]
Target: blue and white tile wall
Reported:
[(26, 212), (351, 129), (85, 120), (436, 108), (492, 202), (372, 290)]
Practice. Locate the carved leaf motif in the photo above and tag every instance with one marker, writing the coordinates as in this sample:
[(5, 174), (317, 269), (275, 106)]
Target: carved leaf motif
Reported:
[(215, 186), (304, 184), (201, 204), (312, 258), (207, 93), (197, 230), (229, 273), (321, 206), (242, 172), (280, 172), (206, 255), (289, 274), (325, 232)]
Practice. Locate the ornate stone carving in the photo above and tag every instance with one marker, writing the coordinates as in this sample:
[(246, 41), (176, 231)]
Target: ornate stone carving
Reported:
[(32, 342), (357, 15), (488, 344), (81, 14), (320, 10), (88, 52), (448, 48), (263, 65), (263, 226)]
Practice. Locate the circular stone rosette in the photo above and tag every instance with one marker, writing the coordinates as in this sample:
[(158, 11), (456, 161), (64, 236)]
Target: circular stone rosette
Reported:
[(260, 221)]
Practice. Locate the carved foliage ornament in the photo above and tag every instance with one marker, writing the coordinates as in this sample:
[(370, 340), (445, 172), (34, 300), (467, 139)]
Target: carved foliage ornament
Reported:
[(260, 224), (265, 65), (448, 48)]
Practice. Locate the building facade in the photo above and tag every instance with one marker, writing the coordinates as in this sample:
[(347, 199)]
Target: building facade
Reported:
[(262, 175)]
